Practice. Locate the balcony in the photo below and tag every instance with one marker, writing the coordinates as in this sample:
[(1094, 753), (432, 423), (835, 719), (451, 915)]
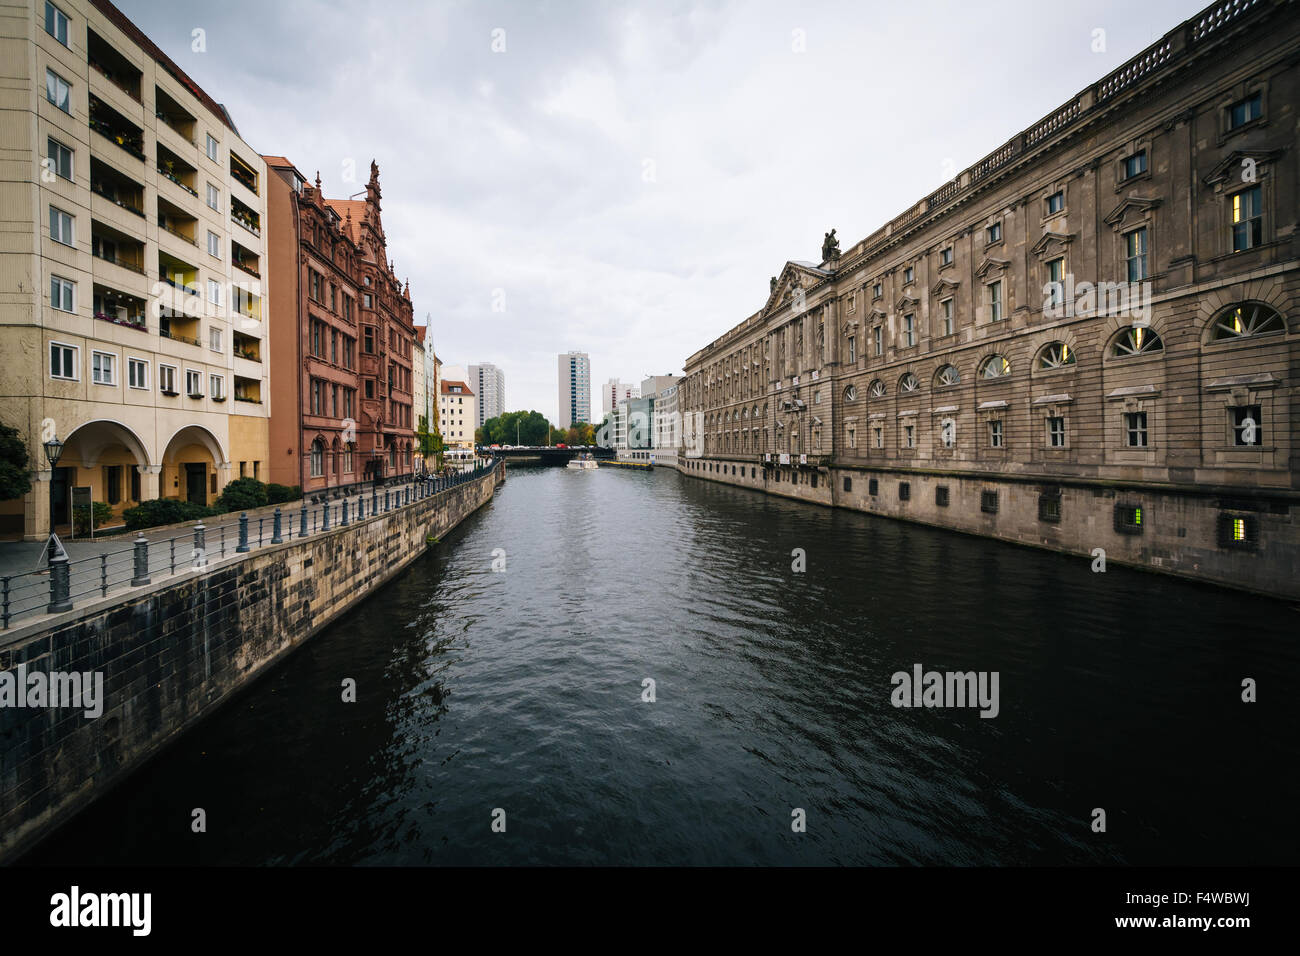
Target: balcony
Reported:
[(245, 216), (118, 189), (120, 308), (243, 173), (117, 69), (111, 245), (245, 260), (174, 116), (177, 221), (112, 125), (248, 390), (177, 170), (246, 302), (246, 347), (178, 327), (178, 274)]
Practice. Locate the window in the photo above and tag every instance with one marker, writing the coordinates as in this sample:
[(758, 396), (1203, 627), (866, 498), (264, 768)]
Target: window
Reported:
[(877, 290), (366, 299), (1138, 340), (848, 484), (945, 317), (317, 458), (995, 301), (63, 361), (1055, 286), (1247, 425), (215, 339), (370, 388), (851, 393), (1135, 429), (1135, 165), (904, 490), (1055, 203), (61, 227), (214, 197), (103, 368), (909, 274), (989, 502), (217, 387), (1238, 531), (193, 383), (909, 436), (908, 383), (873, 487), (878, 437), (1055, 355), (993, 234), (1049, 506), (1239, 113), (60, 158), (167, 379), (214, 291), (1135, 254), (56, 23), (214, 245), (853, 348), (995, 366), (909, 330), (62, 294), (212, 148), (948, 433), (995, 433), (941, 496), (945, 256), (852, 304), (878, 340), (948, 375), (1055, 431), (1240, 321), (137, 373), (57, 91), (1128, 518), (1247, 219)]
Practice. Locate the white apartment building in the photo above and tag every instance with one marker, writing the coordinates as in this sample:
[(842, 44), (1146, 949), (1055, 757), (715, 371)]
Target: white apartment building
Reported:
[(457, 413), (132, 322), (490, 384), (574, 370)]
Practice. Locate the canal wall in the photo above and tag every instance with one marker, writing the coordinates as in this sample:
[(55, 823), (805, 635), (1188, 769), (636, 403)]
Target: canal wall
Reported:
[(170, 654), (1186, 535)]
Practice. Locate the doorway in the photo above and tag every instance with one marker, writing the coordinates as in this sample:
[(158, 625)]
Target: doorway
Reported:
[(60, 481), (196, 482)]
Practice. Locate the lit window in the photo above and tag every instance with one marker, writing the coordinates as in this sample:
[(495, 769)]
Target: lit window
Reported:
[(1246, 320), (1135, 254), (1247, 219), (1056, 355), (995, 366), (1138, 340)]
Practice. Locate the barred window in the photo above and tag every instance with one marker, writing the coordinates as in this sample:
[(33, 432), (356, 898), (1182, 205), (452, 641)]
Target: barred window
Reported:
[(989, 502)]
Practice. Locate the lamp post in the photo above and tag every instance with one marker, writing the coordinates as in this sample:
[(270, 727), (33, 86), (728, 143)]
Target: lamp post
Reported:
[(59, 577), (53, 452)]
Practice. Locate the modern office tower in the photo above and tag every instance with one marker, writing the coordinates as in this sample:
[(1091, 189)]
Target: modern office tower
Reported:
[(490, 383)]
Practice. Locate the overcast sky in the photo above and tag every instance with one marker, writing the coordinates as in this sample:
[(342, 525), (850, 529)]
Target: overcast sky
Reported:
[(624, 177)]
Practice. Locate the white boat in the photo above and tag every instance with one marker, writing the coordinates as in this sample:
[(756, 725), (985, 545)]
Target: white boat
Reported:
[(582, 463)]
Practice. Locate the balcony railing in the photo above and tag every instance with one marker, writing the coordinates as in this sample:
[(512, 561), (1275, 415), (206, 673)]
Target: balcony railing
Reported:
[(129, 143), (99, 190), (245, 398), (108, 75), (115, 260), (167, 333), (177, 182), (192, 290), (178, 235), (249, 354), (247, 222), (243, 268), (166, 121), (131, 321), (249, 182)]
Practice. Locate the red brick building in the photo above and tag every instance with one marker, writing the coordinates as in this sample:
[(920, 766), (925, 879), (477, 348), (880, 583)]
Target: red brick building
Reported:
[(340, 338)]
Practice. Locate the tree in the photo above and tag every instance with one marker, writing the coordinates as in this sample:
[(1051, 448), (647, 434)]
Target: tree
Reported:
[(514, 428), (15, 478), (425, 438)]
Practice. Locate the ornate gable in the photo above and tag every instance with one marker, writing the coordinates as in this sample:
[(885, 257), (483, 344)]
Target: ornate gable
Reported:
[(991, 265), (1131, 208)]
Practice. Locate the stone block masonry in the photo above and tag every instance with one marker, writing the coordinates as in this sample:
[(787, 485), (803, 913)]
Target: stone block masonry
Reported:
[(171, 653)]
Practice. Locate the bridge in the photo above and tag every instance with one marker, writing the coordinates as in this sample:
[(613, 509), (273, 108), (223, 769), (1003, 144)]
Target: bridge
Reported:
[(545, 454)]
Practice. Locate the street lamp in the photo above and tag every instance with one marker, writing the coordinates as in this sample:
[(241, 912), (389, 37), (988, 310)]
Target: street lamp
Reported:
[(53, 452)]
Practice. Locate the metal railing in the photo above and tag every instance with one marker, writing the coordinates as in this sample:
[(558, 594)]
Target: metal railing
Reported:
[(64, 582)]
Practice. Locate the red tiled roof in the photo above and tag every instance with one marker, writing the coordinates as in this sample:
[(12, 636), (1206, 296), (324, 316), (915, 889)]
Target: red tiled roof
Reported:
[(446, 387)]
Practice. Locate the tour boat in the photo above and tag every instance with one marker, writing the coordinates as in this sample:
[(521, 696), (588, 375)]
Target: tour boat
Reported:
[(582, 463)]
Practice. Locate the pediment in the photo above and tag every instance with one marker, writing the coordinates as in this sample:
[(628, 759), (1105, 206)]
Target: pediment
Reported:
[(944, 285), (1129, 204), (1232, 165), (877, 315), (795, 276), (1051, 241), (906, 302), (991, 264)]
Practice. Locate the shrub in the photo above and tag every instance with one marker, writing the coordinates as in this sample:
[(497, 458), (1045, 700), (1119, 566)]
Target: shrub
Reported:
[(151, 514), (81, 517), (277, 493), (242, 494)]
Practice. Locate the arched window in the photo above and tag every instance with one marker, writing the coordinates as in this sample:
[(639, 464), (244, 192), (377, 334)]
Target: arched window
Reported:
[(908, 383), (1056, 355), (1138, 340), (995, 366), (877, 389), (317, 458), (851, 393), (948, 375), (392, 457), (1244, 320)]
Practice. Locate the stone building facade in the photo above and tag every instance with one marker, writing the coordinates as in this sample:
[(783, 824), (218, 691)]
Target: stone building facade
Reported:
[(342, 342), (1089, 339)]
